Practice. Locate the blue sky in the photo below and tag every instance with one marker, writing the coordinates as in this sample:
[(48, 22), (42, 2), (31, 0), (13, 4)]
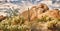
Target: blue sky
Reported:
[(31, 1), (19, 2)]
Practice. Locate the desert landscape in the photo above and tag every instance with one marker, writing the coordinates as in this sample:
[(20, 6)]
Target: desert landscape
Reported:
[(39, 17)]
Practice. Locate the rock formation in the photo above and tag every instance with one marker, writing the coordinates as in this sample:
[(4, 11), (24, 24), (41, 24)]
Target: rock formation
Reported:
[(51, 13), (35, 11), (40, 11)]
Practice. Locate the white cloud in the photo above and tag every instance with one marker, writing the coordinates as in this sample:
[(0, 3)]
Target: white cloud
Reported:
[(37, 0)]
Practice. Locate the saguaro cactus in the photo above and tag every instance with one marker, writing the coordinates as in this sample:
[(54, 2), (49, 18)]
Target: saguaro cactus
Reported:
[(28, 15)]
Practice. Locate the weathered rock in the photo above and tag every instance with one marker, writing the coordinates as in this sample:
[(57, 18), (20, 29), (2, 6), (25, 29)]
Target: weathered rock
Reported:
[(41, 11), (51, 13), (35, 11), (44, 6)]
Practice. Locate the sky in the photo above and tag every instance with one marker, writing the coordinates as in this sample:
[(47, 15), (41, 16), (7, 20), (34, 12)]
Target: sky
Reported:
[(31, 1), (25, 4), (50, 3)]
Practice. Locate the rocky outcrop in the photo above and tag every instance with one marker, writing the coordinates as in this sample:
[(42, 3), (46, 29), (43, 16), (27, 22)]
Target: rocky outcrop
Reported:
[(35, 11), (40, 11), (51, 13)]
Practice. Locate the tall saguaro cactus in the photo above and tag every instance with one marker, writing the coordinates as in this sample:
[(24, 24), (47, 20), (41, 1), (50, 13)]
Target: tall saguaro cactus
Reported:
[(28, 15)]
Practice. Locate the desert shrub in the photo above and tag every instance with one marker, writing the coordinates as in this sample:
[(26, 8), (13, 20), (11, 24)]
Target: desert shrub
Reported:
[(14, 28), (53, 25), (45, 19), (58, 26), (15, 23)]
